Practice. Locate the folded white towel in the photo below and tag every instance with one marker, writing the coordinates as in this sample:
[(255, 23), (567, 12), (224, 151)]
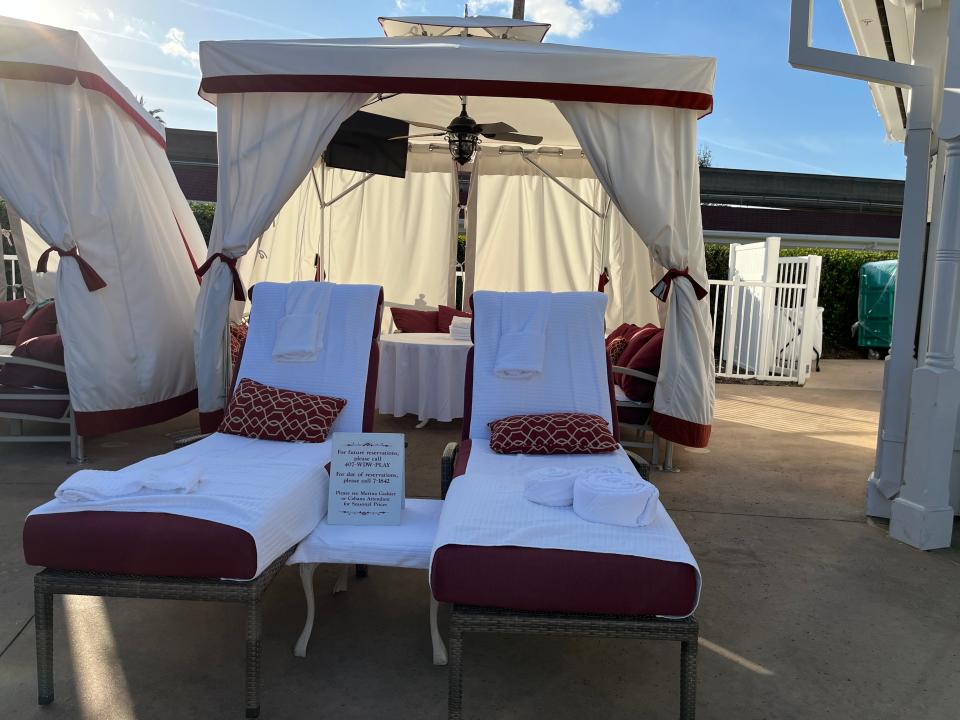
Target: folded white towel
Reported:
[(91, 485), (523, 335), (615, 497), (300, 331), (550, 486), (460, 328)]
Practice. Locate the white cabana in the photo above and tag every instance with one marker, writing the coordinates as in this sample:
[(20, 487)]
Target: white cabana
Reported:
[(631, 115), (84, 168)]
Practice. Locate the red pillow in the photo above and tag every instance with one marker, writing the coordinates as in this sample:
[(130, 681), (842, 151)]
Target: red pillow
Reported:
[(636, 341), (615, 349), (270, 413), (11, 320), (46, 348), (647, 360), (415, 321), (623, 330), (447, 314), (238, 338), (552, 434), (43, 321)]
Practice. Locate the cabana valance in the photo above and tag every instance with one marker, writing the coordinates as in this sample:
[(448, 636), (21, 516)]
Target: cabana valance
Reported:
[(632, 114)]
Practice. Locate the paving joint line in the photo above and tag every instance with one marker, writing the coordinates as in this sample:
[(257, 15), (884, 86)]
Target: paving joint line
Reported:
[(17, 636)]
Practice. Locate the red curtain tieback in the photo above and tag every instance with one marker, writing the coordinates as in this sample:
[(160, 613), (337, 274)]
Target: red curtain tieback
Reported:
[(90, 277), (231, 263), (662, 288)]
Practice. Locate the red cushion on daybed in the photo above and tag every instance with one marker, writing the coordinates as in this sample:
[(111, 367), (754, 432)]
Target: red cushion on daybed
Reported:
[(622, 330), (46, 348), (138, 543), (415, 321), (43, 321), (520, 578), (637, 340), (646, 359), (446, 314), (552, 434), (11, 320), (271, 413)]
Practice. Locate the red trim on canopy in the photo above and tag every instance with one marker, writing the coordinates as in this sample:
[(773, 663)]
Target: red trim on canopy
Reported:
[(37, 72), (682, 432), (620, 95), (187, 246), (101, 422)]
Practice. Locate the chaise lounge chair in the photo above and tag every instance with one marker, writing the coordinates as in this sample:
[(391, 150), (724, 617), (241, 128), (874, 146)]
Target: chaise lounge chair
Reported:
[(256, 500), (646, 586)]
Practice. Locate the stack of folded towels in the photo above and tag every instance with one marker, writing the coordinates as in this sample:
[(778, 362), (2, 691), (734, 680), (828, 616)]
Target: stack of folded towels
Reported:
[(460, 328), (602, 495), (141, 479)]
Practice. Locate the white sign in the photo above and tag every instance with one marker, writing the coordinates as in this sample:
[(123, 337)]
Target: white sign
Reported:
[(366, 479)]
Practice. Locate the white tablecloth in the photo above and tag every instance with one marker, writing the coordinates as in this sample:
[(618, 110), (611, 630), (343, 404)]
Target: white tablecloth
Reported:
[(422, 373)]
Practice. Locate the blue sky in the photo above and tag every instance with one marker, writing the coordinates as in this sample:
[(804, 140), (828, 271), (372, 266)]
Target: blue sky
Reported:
[(767, 115)]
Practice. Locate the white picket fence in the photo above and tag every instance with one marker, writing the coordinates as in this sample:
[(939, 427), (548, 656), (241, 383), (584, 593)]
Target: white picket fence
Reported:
[(765, 317)]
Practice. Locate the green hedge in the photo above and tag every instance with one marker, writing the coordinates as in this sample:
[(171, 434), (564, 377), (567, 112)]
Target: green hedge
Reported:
[(839, 287), (203, 211)]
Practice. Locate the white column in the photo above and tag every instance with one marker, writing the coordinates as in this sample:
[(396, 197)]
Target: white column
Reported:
[(921, 516), (884, 483)]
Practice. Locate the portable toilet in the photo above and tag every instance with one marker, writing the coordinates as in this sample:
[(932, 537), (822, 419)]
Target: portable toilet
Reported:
[(878, 283)]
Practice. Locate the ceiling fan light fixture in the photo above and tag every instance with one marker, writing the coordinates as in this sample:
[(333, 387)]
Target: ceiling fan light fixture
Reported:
[(463, 146)]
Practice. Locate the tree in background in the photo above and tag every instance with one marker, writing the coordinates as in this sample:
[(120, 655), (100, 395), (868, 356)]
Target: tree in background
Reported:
[(704, 156)]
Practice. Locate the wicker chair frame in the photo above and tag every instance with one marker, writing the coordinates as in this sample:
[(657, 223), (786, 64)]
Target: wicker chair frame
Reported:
[(49, 582)]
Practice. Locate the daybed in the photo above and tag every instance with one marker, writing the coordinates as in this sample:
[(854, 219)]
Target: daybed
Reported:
[(496, 570), (255, 501)]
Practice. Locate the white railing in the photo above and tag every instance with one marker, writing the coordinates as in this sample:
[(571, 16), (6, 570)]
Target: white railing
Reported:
[(13, 287), (763, 330)]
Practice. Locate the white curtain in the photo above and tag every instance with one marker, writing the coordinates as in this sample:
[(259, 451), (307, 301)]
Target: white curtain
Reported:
[(396, 232), (532, 234), (267, 143), (85, 176), (645, 158)]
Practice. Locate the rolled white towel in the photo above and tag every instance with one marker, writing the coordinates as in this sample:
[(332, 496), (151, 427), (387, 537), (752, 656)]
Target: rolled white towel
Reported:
[(91, 485), (615, 497), (550, 486)]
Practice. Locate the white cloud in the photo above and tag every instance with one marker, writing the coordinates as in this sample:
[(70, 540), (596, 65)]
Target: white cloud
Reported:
[(88, 15), (175, 46), (568, 18)]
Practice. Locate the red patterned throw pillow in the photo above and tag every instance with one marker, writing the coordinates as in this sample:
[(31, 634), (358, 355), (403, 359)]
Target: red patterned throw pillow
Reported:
[(269, 413), (615, 349), (551, 434)]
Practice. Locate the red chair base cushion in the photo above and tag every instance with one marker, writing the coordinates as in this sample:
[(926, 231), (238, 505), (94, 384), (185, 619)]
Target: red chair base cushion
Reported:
[(566, 581), (40, 407), (138, 543)]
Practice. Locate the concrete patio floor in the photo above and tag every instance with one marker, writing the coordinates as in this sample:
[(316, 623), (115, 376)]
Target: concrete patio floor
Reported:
[(808, 610)]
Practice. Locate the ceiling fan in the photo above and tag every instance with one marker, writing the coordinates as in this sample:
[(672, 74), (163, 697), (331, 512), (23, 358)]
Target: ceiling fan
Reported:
[(463, 133)]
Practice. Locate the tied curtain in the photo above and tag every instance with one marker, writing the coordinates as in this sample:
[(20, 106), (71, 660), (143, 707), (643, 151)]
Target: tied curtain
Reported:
[(267, 143), (91, 183), (645, 159)]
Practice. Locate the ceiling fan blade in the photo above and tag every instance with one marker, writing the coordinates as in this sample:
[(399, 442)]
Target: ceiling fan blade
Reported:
[(516, 137), (488, 129), (407, 137), (429, 126)]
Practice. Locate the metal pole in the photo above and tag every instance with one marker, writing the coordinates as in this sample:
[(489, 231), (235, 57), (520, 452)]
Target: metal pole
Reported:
[(518, 9)]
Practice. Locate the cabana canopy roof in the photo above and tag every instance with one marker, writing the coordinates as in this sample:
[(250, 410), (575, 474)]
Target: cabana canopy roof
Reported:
[(469, 66), (50, 54), (479, 26)]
